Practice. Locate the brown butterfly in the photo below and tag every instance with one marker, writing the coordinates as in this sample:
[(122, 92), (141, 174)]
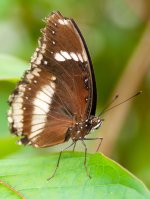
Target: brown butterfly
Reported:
[(56, 99)]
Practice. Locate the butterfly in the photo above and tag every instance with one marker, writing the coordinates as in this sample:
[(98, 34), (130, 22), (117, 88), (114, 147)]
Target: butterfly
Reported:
[(56, 99)]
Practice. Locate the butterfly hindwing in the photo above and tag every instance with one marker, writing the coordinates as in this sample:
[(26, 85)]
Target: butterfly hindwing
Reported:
[(58, 90)]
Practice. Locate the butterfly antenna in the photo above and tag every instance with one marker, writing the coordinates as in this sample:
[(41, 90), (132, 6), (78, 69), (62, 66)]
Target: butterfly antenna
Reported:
[(108, 109)]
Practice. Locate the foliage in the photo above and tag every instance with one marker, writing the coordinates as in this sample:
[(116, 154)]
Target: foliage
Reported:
[(109, 180)]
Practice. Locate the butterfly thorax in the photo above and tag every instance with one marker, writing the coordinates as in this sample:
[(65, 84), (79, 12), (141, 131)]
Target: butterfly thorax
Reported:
[(81, 129)]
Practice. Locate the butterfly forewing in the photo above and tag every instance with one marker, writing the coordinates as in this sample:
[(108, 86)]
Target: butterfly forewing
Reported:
[(58, 90)]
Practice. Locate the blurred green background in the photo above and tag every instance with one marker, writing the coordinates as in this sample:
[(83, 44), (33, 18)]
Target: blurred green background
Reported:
[(117, 32)]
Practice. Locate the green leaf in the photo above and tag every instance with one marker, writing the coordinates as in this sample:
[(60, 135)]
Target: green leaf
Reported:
[(11, 67), (109, 180)]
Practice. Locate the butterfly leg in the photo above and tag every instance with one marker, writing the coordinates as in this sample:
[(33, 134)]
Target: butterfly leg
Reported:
[(85, 159), (74, 146), (100, 138), (57, 165)]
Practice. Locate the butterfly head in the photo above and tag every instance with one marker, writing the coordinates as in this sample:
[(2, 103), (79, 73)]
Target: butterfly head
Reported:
[(95, 122), (81, 129)]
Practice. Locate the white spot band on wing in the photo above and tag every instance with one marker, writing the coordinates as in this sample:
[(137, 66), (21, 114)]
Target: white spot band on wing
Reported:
[(42, 105), (74, 56), (63, 21), (65, 54), (59, 57)]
